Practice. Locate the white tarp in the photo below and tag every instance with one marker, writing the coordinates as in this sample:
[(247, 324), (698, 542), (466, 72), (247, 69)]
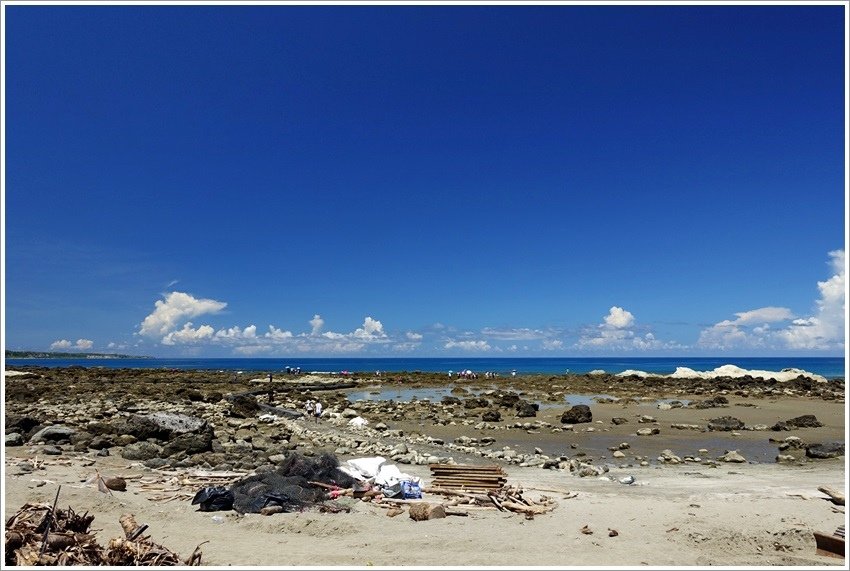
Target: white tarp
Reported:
[(363, 468), (385, 476)]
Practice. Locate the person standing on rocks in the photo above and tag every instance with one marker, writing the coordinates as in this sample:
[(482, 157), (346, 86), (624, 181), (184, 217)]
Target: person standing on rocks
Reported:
[(318, 411), (308, 407)]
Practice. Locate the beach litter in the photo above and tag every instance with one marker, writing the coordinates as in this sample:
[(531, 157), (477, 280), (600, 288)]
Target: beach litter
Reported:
[(298, 483), (831, 545), (382, 477), (106, 484), (41, 535)]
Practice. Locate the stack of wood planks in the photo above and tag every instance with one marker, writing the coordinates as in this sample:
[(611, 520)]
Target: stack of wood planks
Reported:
[(468, 477)]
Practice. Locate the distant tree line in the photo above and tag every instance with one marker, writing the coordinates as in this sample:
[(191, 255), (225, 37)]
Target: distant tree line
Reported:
[(57, 355)]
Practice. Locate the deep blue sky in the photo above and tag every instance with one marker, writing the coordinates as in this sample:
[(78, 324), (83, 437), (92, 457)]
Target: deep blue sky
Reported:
[(491, 178)]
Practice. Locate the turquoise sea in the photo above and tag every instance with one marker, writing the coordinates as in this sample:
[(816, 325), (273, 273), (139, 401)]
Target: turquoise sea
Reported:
[(830, 367)]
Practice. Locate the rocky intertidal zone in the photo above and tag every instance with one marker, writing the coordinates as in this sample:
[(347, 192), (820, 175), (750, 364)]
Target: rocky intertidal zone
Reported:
[(222, 421)]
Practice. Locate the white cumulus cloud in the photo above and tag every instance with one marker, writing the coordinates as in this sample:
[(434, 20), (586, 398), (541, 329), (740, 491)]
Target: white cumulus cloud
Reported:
[(413, 336), (822, 331), (278, 334), (764, 315), (552, 344), (237, 334), (188, 335), (317, 323), (80, 345), (617, 332), (619, 318), (480, 345), (176, 307), (825, 329), (371, 329)]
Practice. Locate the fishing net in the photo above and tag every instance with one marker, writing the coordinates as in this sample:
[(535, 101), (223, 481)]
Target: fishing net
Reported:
[(288, 487)]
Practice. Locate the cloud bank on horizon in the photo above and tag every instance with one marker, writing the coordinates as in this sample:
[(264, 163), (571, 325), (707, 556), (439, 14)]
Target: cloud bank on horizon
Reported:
[(171, 325)]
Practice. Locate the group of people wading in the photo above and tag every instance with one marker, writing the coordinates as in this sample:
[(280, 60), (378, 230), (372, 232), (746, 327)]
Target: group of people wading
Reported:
[(314, 409)]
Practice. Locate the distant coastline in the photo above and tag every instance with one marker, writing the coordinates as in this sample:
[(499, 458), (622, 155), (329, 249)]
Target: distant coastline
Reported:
[(55, 355)]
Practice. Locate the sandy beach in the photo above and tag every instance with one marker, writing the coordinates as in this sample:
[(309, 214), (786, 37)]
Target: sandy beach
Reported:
[(697, 512)]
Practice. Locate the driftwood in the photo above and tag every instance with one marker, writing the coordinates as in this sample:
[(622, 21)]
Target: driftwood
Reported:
[(49, 521), (456, 493), (40, 535), (522, 508), (507, 498), (138, 550), (421, 511), (836, 496)]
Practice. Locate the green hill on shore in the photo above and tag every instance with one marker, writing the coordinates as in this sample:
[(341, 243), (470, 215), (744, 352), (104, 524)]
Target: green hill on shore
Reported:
[(56, 355)]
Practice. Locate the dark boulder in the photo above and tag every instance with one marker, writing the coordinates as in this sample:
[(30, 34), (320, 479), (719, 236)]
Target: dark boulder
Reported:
[(189, 443), (244, 406), (780, 426), (618, 420), (20, 424), (525, 409), (805, 421), (491, 416), (506, 400), (714, 402), (83, 436), (476, 403), (54, 433), (101, 442), (101, 428), (450, 400), (830, 450), (725, 423), (142, 451), (163, 426), (576, 415)]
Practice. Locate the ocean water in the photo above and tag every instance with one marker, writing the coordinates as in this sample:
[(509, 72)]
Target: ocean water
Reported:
[(829, 367)]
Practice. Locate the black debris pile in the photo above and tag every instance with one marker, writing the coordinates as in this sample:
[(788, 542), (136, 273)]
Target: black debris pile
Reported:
[(290, 488)]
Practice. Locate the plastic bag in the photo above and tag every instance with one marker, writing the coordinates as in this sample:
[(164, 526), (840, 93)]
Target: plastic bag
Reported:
[(410, 490), (213, 499)]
